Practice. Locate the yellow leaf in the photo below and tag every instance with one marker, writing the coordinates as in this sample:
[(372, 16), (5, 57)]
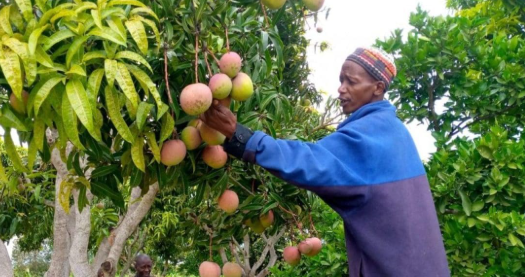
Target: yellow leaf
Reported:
[(113, 110), (10, 149), (150, 136), (125, 2), (4, 20), (138, 33), (29, 61), (69, 119), (26, 7), (64, 194), (12, 71), (126, 84), (137, 154), (110, 68), (134, 57), (80, 103), (33, 38)]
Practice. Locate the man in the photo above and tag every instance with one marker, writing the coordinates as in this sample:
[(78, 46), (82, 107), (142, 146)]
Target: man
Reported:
[(143, 265), (368, 171)]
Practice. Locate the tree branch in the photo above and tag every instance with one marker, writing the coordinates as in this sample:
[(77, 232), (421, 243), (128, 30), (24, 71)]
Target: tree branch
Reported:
[(224, 258)]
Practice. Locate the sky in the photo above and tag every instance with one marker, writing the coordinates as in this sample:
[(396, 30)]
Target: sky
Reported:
[(353, 24)]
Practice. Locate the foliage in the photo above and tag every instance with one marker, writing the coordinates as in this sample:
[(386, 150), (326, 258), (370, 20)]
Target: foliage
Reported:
[(33, 263), (464, 75)]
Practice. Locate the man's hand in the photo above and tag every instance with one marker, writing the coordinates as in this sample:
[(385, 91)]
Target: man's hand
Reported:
[(220, 118)]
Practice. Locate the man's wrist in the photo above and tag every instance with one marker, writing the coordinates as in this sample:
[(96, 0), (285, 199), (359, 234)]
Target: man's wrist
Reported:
[(236, 144)]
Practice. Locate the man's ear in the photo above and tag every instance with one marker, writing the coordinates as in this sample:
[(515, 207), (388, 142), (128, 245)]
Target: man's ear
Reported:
[(380, 88)]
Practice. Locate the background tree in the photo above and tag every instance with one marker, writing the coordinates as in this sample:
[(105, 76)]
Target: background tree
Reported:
[(463, 75)]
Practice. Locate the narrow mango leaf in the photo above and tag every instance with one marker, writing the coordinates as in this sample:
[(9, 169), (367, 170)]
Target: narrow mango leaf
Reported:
[(145, 10), (80, 103), (85, 6), (110, 68), (43, 58), (134, 57), (69, 119), (47, 16), (74, 48), (16, 19), (107, 34), (31, 153), (104, 190), (126, 84), (26, 7), (168, 124), (39, 130), (94, 81), (62, 13), (513, 239), (115, 24), (465, 202), (144, 78), (64, 194), (99, 120), (94, 55), (76, 70), (33, 38), (142, 113), (132, 110), (10, 149), (44, 91), (3, 176), (113, 11), (152, 142), (29, 61), (96, 17), (137, 153), (12, 71), (58, 37), (125, 2), (4, 20), (113, 110), (153, 27), (10, 120), (138, 33)]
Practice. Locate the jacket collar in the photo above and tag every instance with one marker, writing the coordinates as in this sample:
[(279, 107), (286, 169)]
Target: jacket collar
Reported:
[(383, 105)]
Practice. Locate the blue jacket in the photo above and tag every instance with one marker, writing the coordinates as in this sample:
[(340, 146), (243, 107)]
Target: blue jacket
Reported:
[(370, 173)]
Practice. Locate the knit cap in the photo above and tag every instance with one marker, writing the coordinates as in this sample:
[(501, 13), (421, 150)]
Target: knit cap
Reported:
[(376, 62)]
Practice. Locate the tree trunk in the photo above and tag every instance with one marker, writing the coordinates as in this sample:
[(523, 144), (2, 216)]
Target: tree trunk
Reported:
[(6, 269), (132, 219), (59, 266), (78, 258)]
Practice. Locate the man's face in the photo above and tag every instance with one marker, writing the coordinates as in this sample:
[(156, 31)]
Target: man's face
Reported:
[(357, 87), (143, 267)]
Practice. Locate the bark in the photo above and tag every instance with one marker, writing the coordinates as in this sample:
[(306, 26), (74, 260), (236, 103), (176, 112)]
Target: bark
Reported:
[(59, 266), (127, 227), (6, 269), (78, 258), (224, 258)]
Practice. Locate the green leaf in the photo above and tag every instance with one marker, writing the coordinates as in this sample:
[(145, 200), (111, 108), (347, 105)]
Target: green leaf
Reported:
[(69, 119), (74, 48), (113, 109), (110, 67), (134, 57), (22, 51), (105, 190), (43, 58), (142, 113), (26, 7), (39, 131), (485, 152), (80, 103), (465, 202), (152, 142), (115, 24), (93, 87), (31, 153), (513, 239), (58, 37), (125, 2), (76, 70), (137, 153), (166, 127), (144, 78), (107, 34), (138, 33), (33, 38), (44, 91), (94, 55), (10, 149), (62, 13), (102, 171), (4, 20), (477, 206), (126, 84), (12, 71), (10, 120), (96, 18)]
